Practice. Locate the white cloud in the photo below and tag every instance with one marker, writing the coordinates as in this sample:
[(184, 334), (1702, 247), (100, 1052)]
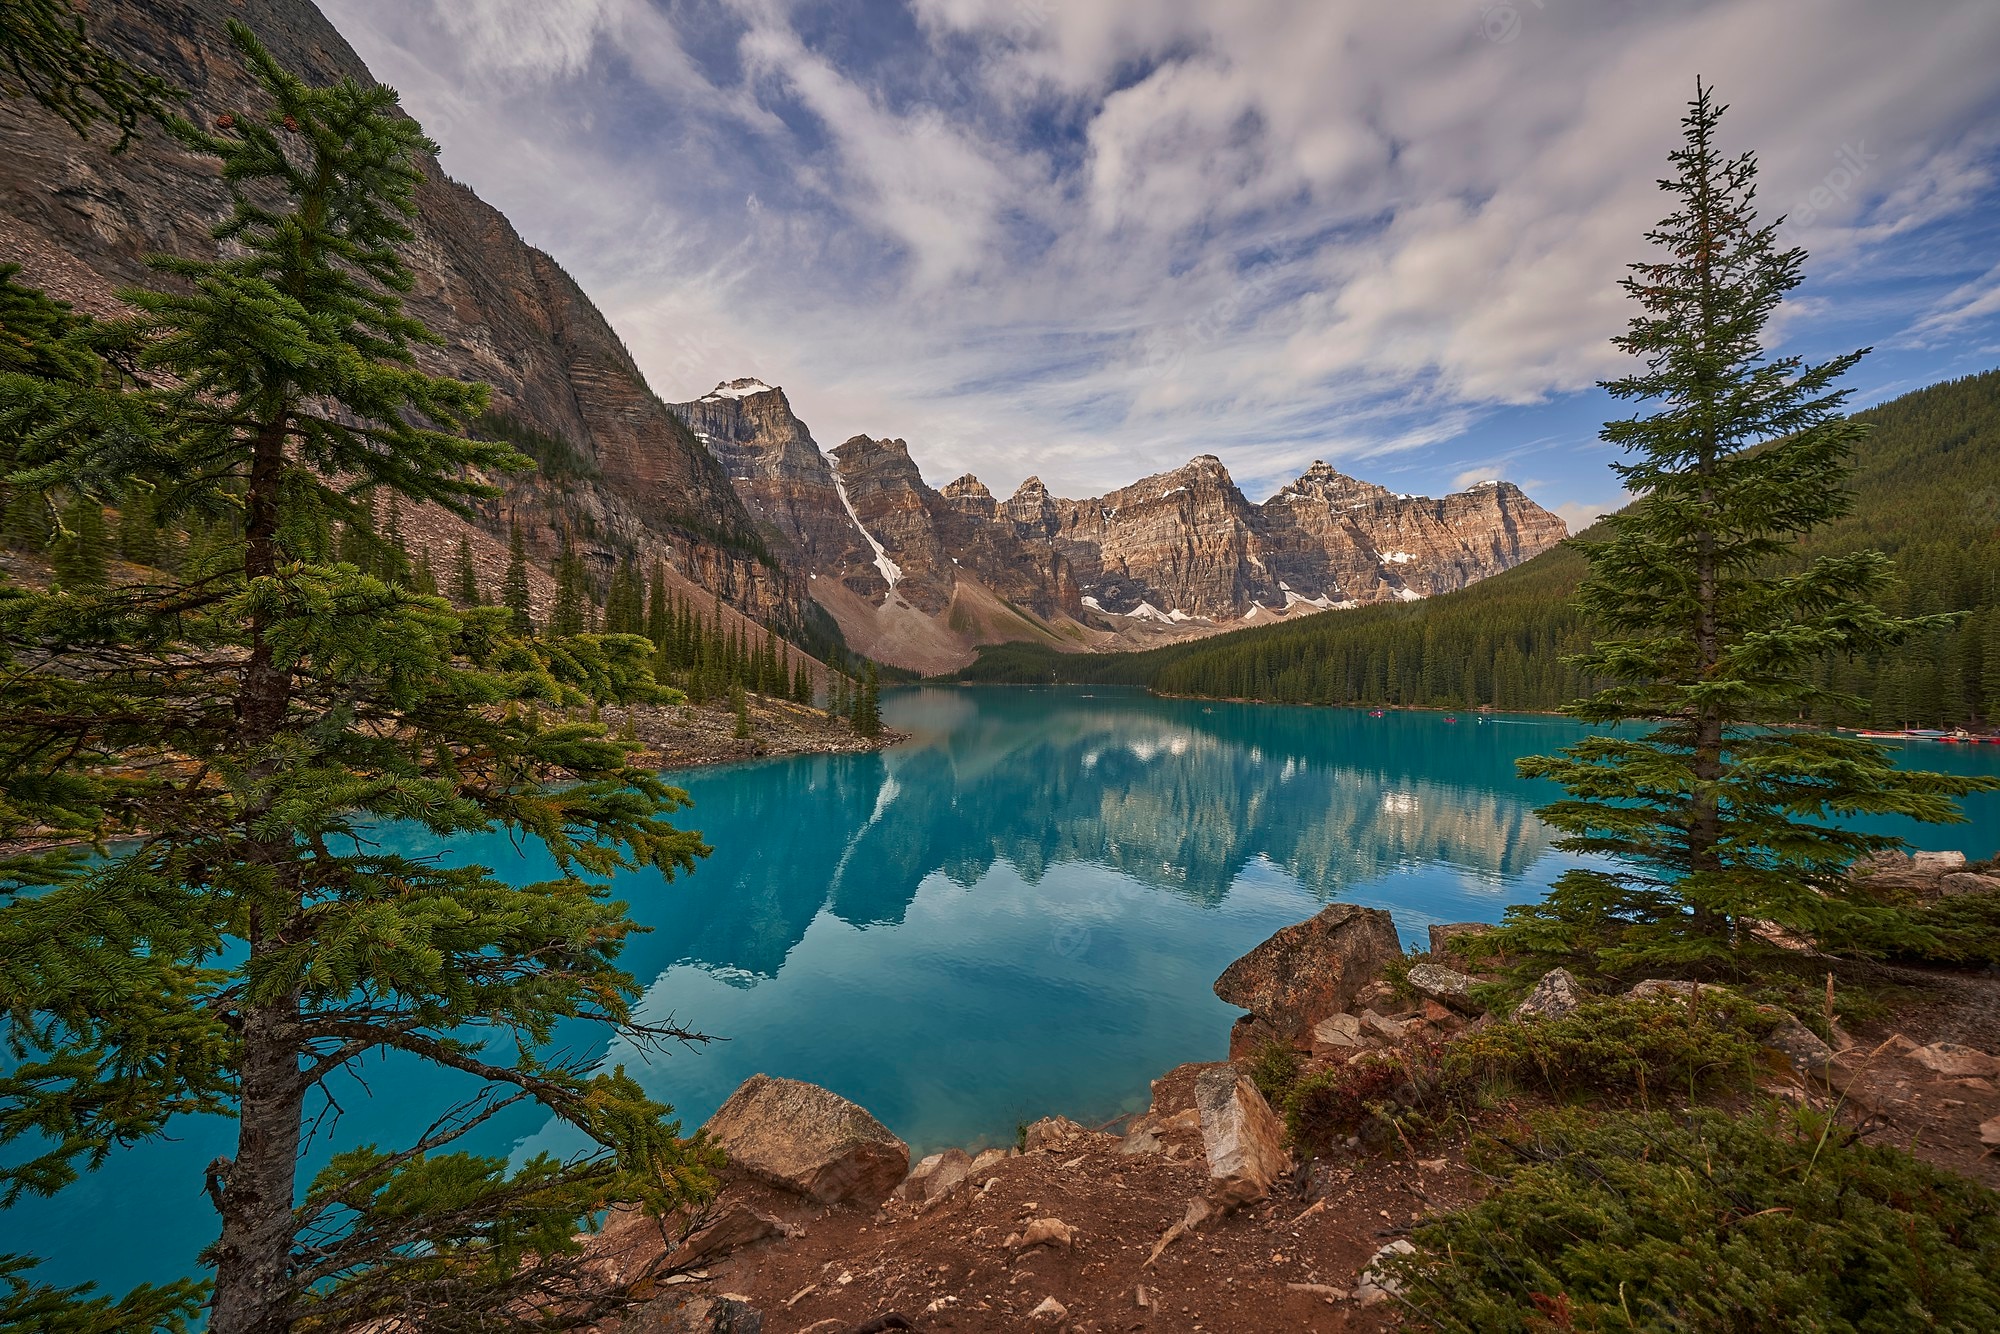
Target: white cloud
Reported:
[(1090, 240), (542, 39), (1580, 514)]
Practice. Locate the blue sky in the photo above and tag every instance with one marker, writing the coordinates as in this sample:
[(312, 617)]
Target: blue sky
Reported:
[(1089, 239)]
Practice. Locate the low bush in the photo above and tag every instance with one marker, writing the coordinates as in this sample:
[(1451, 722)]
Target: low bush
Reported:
[(1274, 1070), (1621, 1045), (1397, 974), (1966, 929), (1374, 1097), (1781, 1220), (1618, 1047)]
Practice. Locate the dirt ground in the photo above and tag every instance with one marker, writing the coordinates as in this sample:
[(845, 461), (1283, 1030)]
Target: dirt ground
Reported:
[(1899, 1101), (1286, 1264)]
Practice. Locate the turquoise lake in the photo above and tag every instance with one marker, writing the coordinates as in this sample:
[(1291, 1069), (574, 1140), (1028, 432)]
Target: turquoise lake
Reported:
[(1018, 912)]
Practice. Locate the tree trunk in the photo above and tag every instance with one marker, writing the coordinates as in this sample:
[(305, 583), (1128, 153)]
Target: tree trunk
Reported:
[(253, 1261)]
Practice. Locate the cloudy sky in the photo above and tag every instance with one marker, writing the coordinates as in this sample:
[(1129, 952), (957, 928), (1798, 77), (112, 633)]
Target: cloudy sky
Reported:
[(1089, 239)]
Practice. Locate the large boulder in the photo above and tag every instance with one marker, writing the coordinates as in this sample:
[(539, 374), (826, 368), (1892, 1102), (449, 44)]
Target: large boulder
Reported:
[(1309, 971), (1958, 883), (800, 1137), (1243, 1137)]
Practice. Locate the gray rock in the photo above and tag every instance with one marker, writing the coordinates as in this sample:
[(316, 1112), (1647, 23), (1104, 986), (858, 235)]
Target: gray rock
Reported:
[(1955, 1060), (1243, 1137), (1662, 986), (936, 1175), (723, 1314), (1376, 1285), (1801, 1047), (1389, 1030), (1141, 1138), (1313, 969), (1053, 1133), (1050, 1312), (1959, 883), (1336, 1035), (989, 1158), (1446, 986), (1046, 1232), (803, 1138), (1553, 997)]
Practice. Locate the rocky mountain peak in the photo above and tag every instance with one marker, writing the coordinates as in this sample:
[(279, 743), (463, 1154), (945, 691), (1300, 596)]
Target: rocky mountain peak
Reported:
[(749, 387), (967, 486), (968, 495), (866, 452), (1327, 485)]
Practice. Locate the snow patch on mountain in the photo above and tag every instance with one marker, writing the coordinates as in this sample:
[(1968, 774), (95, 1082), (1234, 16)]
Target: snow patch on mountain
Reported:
[(891, 572), (736, 389)]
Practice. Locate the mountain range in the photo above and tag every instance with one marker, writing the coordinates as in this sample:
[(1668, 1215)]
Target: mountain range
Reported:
[(919, 576), (1926, 493), (729, 492)]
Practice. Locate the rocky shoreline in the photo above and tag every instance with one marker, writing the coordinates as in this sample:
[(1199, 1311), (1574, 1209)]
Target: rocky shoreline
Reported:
[(690, 736), (1195, 1214)]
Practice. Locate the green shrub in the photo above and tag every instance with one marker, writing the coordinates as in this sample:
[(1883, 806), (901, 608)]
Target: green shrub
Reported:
[(1338, 1103), (1274, 1070), (1397, 974), (1779, 1220), (1967, 930), (1620, 1045)]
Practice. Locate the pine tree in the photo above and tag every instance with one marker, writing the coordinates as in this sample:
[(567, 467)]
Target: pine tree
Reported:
[(25, 526), (514, 585), (659, 609), (247, 941), (1717, 819), (571, 613), (739, 703), (625, 603), (867, 706), (465, 576), (139, 538), (1989, 670), (80, 555)]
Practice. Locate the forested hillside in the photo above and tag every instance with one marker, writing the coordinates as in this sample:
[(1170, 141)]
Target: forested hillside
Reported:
[(1927, 487)]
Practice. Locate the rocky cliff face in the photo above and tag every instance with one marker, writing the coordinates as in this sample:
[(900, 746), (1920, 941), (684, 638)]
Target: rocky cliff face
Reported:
[(1183, 541), (786, 483), (81, 221), (1180, 553)]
